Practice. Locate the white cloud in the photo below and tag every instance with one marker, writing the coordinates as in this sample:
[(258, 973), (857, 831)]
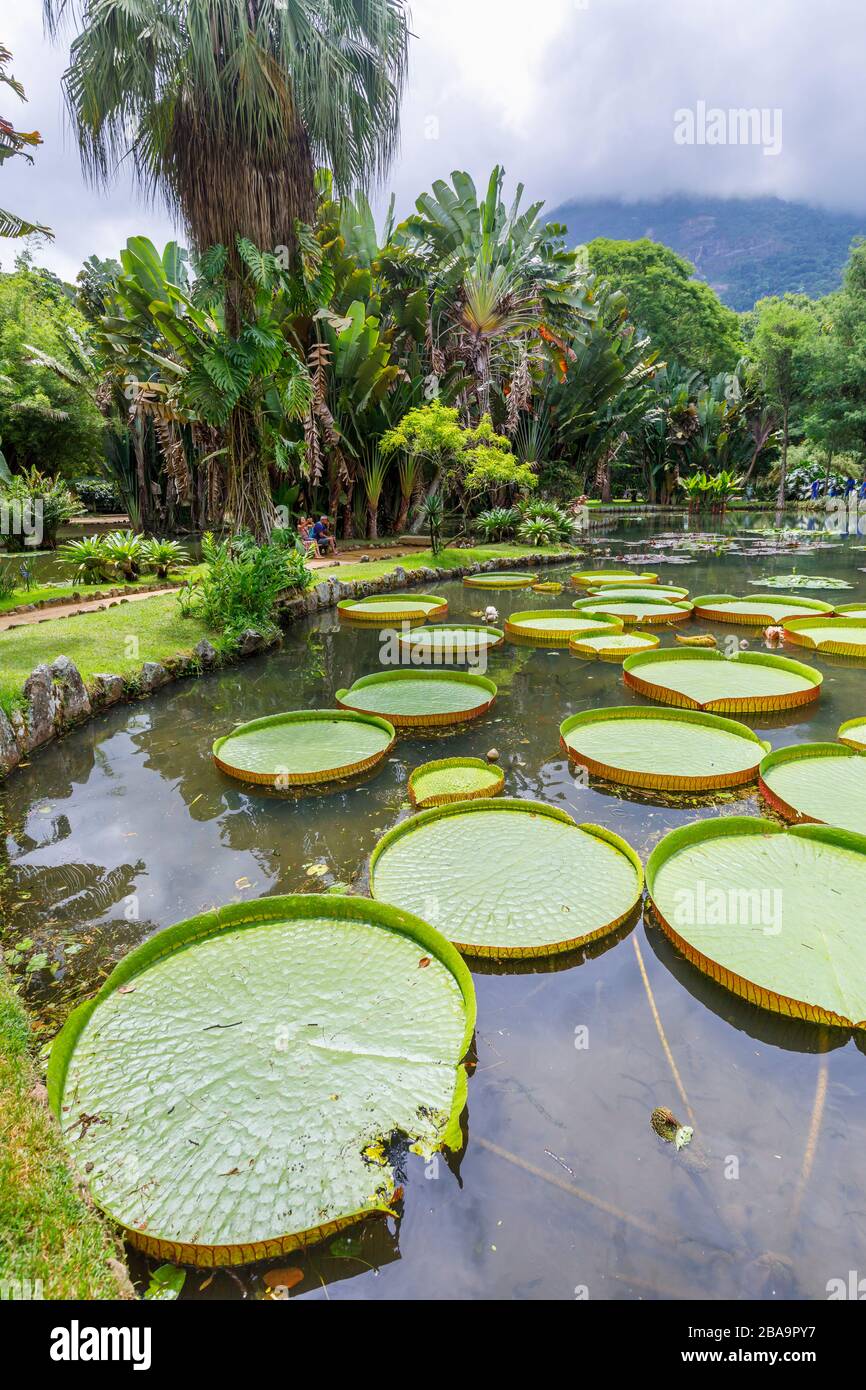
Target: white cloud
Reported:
[(574, 97)]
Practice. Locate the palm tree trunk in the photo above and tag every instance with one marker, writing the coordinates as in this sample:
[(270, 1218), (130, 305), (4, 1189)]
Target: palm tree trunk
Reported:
[(249, 502)]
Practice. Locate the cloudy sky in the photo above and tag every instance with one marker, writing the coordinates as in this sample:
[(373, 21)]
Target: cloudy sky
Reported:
[(575, 97)]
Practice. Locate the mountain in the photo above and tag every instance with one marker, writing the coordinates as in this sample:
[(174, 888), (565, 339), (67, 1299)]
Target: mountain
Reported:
[(744, 247)]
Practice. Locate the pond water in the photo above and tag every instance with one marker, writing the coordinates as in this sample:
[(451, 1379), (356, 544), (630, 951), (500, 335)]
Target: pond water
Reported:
[(125, 827)]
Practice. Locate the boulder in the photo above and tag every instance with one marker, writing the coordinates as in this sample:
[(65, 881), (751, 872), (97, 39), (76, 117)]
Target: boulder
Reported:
[(250, 642), (107, 690), (152, 675), (10, 753), (41, 707), (207, 654), (70, 693)]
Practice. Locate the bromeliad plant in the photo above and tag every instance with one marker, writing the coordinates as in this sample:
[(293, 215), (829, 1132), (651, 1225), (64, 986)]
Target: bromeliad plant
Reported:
[(163, 556), (89, 560), (127, 551)]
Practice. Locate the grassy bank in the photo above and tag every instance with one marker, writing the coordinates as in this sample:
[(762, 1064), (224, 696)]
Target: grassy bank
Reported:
[(80, 592), (52, 1242), (98, 642), (446, 559)]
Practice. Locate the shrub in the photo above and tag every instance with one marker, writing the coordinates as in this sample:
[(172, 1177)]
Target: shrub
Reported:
[(559, 524), (242, 584), (90, 562), (536, 531), (98, 496), (162, 556), (28, 494)]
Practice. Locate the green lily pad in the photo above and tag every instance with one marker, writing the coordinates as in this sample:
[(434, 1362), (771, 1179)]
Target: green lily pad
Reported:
[(509, 878), (663, 749), (230, 1088), (763, 608), (393, 608), (635, 610), (800, 581), (824, 782), (613, 646), (491, 580), (853, 733), (594, 579), (705, 679), (852, 610), (304, 747), (652, 593), (772, 913), (543, 627), (420, 698), (841, 636), (449, 644), (454, 779)]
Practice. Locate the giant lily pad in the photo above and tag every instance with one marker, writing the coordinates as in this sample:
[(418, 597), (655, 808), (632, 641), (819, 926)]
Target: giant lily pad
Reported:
[(423, 699), (652, 593), (491, 580), (304, 747), (454, 779), (509, 878), (852, 610), (853, 733), (597, 579), (392, 608), (634, 612), (552, 627), (699, 679), (823, 782), (663, 749), (612, 646), (772, 913), (232, 1088), (840, 636), (801, 581), (449, 644), (763, 608)]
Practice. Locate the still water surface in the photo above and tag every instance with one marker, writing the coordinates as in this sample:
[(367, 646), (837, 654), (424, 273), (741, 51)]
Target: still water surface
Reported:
[(563, 1185)]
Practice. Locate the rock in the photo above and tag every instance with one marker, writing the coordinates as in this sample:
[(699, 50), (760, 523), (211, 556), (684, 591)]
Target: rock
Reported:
[(152, 675), (249, 642), (364, 560), (207, 655), (399, 575), (70, 693), (492, 755), (41, 707), (107, 690), (10, 753)]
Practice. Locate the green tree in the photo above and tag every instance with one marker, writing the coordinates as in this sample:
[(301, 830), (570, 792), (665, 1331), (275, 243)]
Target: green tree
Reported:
[(46, 421), (836, 419), (224, 109), (785, 334), (685, 318)]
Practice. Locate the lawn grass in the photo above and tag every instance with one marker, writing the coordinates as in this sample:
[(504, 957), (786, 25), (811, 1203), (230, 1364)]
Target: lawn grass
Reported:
[(446, 559), (81, 592), (98, 642), (52, 1242)]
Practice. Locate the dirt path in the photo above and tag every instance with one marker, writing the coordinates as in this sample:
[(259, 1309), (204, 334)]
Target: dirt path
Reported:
[(66, 610)]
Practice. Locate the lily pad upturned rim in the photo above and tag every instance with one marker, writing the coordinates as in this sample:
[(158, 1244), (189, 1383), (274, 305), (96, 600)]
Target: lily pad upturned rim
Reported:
[(434, 720), (494, 787), (417, 638), (680, 610), (844, 729), (302, 779), (795, 631), (715, 608), (246, 916), (721, 827), (532, 808), (795, 753), (586, 578), (845, 609), (580, 646), (390, 610), (672, 592), (493, 579), (518, 627), (662, 781), (637, 678)]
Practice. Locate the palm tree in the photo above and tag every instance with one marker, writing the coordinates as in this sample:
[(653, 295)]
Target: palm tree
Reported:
[(16, 142), (223, 108)]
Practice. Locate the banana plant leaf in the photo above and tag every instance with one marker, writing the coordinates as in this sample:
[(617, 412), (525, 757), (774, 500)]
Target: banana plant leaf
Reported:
[(509, 879), (824, 782), (705, 679), (233, 1089), (763, 608), (667, 749), (304, 747), (772, 913), (420, 698)]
